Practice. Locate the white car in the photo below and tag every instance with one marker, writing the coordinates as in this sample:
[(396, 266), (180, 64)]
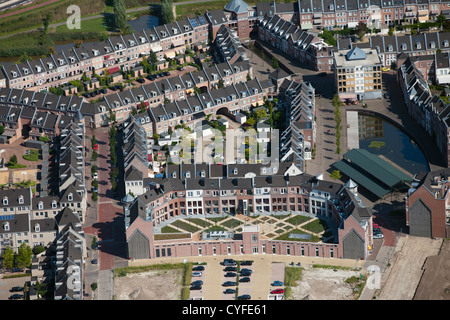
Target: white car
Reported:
[(95, 176), (196, 274), (378, 236)]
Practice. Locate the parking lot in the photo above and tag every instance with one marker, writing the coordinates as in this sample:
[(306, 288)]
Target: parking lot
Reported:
[(7, 284), (233, 280)]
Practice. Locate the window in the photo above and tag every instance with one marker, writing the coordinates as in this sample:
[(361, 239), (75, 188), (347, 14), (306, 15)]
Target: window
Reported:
[(254, 238)]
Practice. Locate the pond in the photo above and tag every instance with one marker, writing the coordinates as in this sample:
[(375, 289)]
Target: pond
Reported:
[(383, 138)]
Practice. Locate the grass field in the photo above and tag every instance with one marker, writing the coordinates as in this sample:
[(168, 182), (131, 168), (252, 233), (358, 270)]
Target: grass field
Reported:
[(285, 236), (316, 226), (296, 220)]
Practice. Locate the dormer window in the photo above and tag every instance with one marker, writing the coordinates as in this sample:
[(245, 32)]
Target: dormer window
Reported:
[(445, 43), (6, 226), (25, 70), (418, 45), (21, 200), (70, 197), (390, 48), (50, 65), (235, 171), (174, 174), (203, 174), (188, 174), (40, 205), (37, 227), (54, 204), (5, 201), (14, 74)]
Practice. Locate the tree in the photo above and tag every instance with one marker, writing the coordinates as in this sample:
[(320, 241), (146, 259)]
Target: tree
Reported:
[(24, 254), (251, 121), (260, 113), (336, 175), (8, 258), (249, 77), (441, 19), (38, 249), (361, 30), (275, 64), (220, 83), (167, 11), (120, 14)]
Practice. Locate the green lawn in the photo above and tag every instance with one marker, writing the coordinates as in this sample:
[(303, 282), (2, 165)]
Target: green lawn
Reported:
[(92, 25), (316, 226), (215, 228), (232, 223), (285, 236), (200, 222), (168, 229), (185, 226), (296, 220), (33, 156)]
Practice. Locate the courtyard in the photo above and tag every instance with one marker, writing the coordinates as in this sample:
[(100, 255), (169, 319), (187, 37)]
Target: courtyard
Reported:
[(294, 227)]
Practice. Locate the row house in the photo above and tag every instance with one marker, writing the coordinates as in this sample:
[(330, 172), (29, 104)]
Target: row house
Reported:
[(298, 44), (427, 205), (228, 46), (425, 108), (170, 199), (298, 139), (193, 109)]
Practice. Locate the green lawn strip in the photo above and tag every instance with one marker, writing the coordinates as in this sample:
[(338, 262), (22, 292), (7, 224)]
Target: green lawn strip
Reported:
[(298, 219), (185, 226), (168, 229), (291, 275), (200, 222), (216, 220), (232, 223), (285, 236), (316, 226), (170, 236)]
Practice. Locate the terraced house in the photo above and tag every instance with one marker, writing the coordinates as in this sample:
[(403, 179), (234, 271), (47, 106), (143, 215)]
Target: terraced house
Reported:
[(203, 191)]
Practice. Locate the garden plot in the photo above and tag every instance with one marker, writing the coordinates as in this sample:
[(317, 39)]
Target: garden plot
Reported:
[(324, 284)]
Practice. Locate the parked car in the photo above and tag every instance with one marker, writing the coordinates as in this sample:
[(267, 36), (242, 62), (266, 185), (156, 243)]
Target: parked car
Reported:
[(16, 289), (376, 226), (87, 95), (378, 236), (245, 274), (246, 263), (244, 297), (277, 291), (198, 268), (16, 296), (94, 261), (95, 176), (96, 146), (228, 262), (104, 91), (230, 274), (228, 291), (166, 73), (246, 270), (195, 287), (244, 279), (230, 269), (119, 87), (180, 68), (277, 283), (17, 270), (196, 274), (113, 88), (197, 283), (229, 283), (140, 80), (160, 75)]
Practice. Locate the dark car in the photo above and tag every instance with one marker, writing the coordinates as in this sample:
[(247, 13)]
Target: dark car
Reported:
[(198, 268), (245, 274), (197, 283), (166, 73), (244, 297), (228, 262), (228, 291), (94, 261), (87, 95), (180, 68), (244, 279), (16, 297), (119, 87), (246, 263), (97, 92), (195, 287), (113, 88), (104, 91), (17, 270), (16, 289), (160, 75), (247, 270), (230, 269), (230, 274), (140, 80), (229, 283), (93, 94)]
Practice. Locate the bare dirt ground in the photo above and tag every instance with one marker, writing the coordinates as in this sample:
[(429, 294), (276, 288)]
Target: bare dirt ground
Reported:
[(324, 284), (435, 282), (406, 270), (152, 285)]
